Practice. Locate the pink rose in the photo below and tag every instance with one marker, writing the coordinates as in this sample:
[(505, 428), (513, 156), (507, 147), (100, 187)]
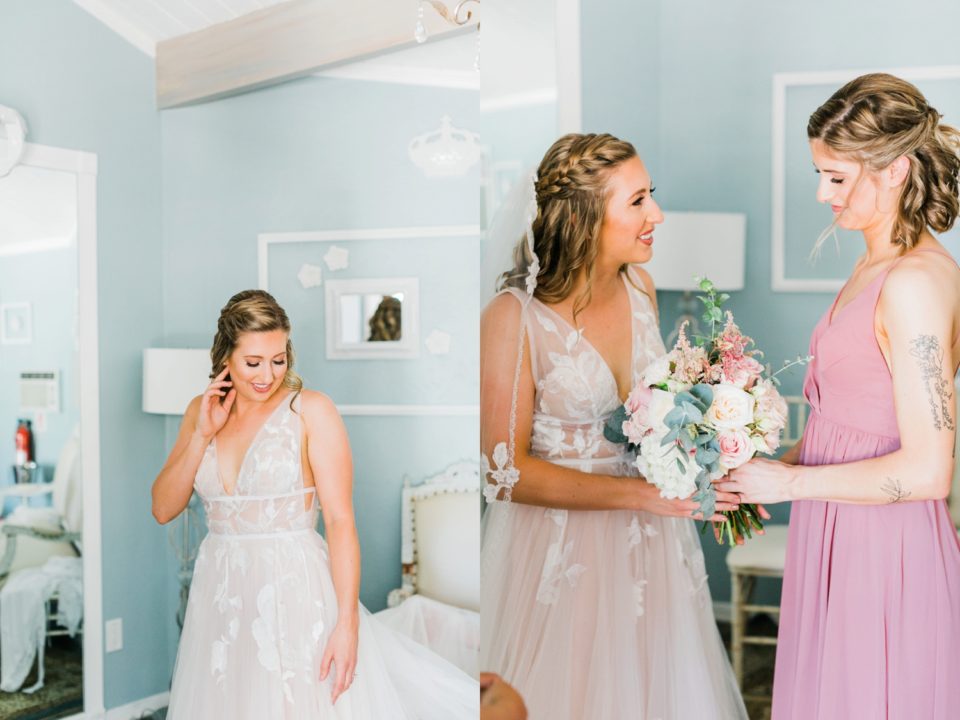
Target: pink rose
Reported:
[(639, 399), (736, 448), (634, 429)]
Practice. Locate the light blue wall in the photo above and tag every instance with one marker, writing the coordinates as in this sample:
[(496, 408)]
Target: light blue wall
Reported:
[(48, 281), (713, 100), (325, 154), (80, 86)]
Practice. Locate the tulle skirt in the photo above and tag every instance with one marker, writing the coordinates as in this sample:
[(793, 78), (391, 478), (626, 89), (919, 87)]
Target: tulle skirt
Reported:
[(260, 612), (602, 615)]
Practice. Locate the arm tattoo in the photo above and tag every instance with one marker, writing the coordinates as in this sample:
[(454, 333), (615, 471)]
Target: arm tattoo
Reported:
[(926, 349), (894, 490)]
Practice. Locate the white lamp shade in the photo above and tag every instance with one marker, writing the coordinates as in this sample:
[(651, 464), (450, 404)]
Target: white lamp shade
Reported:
[(172, 377), (698, 244)]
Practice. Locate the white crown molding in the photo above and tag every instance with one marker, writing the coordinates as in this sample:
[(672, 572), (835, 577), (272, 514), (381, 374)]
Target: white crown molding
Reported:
[(120, 25), (405, 75), (527, 98)]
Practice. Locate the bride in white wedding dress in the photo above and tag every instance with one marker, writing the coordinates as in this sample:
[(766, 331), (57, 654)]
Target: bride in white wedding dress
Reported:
[(274, 629), (594, 599)]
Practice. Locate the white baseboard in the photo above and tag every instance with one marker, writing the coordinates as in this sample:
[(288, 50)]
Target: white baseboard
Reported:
[(722, 611), (136, 709)]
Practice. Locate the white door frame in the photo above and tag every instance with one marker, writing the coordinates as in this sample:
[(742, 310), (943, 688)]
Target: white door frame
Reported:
[(84, 166)]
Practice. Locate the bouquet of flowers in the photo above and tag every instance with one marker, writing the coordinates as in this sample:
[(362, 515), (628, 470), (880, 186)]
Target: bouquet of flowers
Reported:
[(702, 410)]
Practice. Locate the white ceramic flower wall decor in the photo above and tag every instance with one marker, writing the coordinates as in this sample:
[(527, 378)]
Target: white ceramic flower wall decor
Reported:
[(438, 342), (337, 258), (310, 275), (13, 129)]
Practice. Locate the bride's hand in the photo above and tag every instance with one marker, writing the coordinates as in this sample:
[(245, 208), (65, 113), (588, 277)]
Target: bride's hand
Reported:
[(341, 651), (215, 406), (652, 502)]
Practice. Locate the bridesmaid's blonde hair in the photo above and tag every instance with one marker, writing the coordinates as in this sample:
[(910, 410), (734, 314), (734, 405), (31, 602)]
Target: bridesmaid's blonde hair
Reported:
[(251, 311), (878, 118), (571, 193)]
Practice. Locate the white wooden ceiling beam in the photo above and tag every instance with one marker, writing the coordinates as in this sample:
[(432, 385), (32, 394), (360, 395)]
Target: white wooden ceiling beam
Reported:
[(281, 42)]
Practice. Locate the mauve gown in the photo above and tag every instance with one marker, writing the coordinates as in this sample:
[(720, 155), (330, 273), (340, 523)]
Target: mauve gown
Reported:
[(870, 618)]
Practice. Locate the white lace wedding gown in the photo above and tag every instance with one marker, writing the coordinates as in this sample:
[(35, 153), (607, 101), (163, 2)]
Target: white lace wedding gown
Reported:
[(262, 605), (597, 614)]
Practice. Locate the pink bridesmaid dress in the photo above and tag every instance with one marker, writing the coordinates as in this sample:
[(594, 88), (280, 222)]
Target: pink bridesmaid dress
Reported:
[(870, 624)]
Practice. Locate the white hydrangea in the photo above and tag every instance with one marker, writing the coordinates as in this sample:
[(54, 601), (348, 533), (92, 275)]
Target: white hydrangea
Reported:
[(658, 464)]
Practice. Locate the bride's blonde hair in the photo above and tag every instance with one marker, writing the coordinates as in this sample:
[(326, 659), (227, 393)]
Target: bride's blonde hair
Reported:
[(251, 311), (571, 191), (878, 118)]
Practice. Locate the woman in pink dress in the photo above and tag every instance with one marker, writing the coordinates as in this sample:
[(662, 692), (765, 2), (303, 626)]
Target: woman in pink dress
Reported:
[(870, 624)]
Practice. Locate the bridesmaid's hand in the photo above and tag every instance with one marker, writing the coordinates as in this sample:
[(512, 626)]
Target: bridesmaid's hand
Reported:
[(651, 501), (342, 652), (215, 406), (761, 481)]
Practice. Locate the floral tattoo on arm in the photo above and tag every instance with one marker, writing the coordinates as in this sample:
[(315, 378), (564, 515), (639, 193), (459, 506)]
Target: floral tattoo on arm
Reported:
[(929, 354), (894, 489)]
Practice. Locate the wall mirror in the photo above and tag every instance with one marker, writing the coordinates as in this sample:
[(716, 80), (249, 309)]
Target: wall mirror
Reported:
[(49, 482), (372, 318)]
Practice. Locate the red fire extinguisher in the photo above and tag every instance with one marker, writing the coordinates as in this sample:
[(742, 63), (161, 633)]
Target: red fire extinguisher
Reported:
[(24, 443)]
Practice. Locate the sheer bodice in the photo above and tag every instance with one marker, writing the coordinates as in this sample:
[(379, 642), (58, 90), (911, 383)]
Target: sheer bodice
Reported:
[(269, 497), (575, 389)]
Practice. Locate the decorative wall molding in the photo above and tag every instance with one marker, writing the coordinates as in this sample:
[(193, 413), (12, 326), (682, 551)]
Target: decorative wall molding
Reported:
[(265, 240), (410, 410), (781, 84)]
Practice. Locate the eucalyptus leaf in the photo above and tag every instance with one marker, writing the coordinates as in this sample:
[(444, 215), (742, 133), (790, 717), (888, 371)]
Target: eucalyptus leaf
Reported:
[(613, 428), (704, 394)]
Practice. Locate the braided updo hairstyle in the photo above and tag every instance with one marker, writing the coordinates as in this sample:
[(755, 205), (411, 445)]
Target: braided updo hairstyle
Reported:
[(251, 311), (571, 190), (878, 118)]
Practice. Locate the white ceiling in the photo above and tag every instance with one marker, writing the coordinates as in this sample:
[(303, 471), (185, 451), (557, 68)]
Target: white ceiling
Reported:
[(144, 23)]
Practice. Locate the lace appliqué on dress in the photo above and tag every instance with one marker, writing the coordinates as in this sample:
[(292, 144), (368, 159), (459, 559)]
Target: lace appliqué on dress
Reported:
[(556, 569), (504, 477)]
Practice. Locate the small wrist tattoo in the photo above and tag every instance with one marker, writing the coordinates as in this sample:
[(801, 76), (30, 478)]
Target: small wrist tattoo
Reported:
[(894, 490)]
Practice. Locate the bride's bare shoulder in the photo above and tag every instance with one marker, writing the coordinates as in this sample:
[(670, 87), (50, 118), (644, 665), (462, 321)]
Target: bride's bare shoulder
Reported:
[(504, 308)]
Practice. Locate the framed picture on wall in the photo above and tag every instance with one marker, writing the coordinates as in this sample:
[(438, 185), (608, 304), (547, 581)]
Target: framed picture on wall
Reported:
[(797, 218), (16, 327)]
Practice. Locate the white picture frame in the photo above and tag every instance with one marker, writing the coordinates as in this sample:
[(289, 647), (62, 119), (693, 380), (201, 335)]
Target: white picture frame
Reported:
[(338, 347), (16, 323), (784, 277)]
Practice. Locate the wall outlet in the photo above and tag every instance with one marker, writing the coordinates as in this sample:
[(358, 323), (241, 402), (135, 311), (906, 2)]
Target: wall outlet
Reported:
[(114, 634)]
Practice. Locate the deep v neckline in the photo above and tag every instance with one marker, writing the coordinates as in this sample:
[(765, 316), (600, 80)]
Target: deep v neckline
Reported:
[(832, 315), (246, 454), (592, 347)]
